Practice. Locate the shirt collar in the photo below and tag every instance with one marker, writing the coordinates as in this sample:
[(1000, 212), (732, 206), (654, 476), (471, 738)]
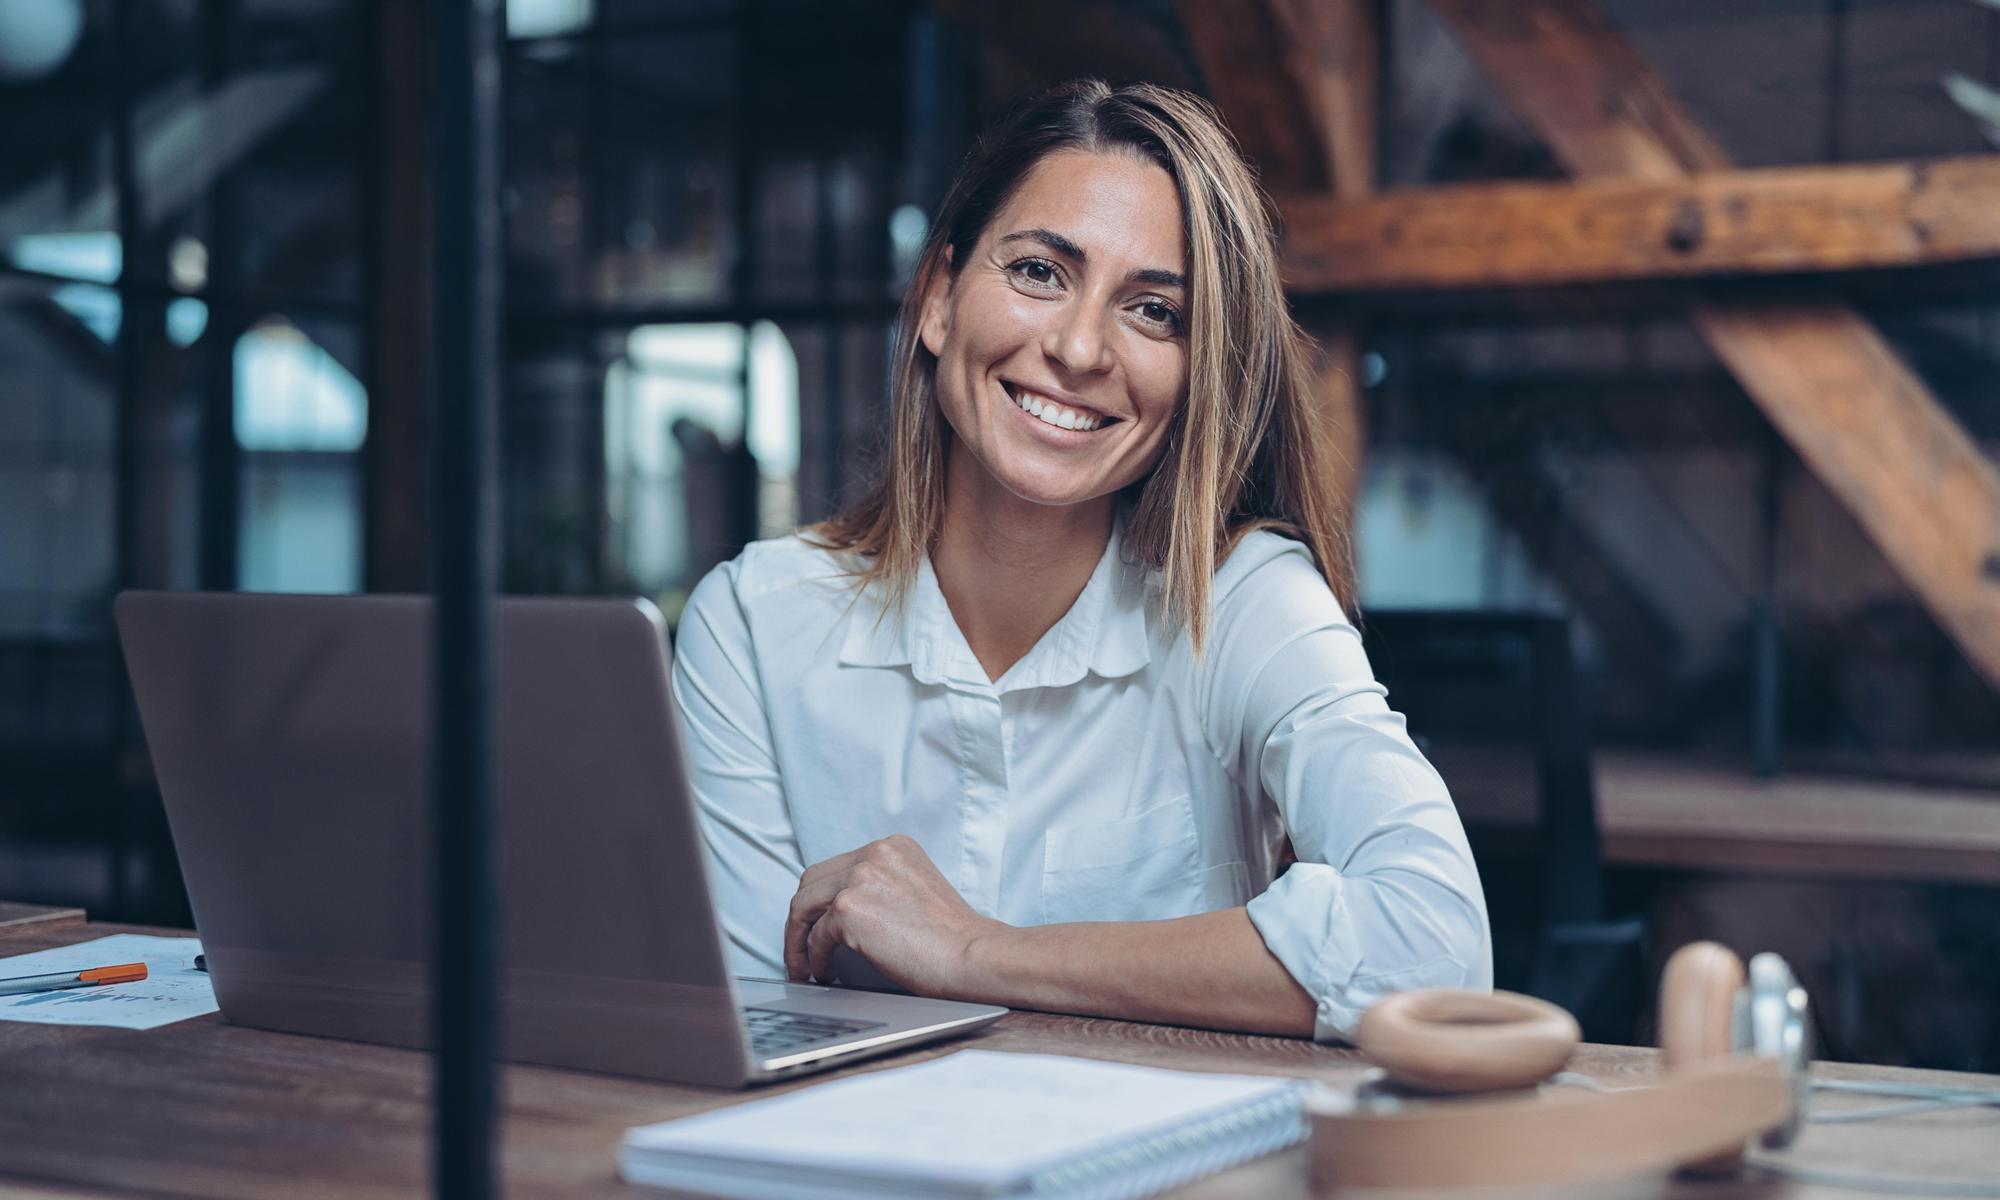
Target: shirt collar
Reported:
[(1105, 631)]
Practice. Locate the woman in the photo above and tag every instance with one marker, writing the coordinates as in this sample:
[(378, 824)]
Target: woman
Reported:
[(1029, 723)]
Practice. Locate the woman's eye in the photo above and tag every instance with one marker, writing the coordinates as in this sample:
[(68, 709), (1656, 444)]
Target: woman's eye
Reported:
[(1037, 271), (1160, 313)]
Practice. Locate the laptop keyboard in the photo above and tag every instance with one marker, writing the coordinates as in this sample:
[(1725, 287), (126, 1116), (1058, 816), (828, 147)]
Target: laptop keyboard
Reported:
[(774, 1031)]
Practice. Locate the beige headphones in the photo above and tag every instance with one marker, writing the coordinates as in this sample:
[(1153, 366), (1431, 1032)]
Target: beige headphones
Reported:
[(1735, 1045)]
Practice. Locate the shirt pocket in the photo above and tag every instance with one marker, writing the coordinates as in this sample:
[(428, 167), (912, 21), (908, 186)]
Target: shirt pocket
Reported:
[(1139, 868)]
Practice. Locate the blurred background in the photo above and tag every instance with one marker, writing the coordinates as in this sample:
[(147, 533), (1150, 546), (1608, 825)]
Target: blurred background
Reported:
[(1683, 681)]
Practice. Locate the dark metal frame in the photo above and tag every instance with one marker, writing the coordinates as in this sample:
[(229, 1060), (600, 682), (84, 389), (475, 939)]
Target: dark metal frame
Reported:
[(130, 373), (221, 456), (465, 316), (1530, 654), (1584, 959)]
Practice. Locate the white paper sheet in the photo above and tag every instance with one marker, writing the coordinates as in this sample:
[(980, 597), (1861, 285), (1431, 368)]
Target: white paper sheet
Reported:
[(172, 990)]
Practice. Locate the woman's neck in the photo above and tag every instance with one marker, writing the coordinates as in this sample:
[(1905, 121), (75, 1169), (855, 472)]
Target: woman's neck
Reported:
[(1009, 569)]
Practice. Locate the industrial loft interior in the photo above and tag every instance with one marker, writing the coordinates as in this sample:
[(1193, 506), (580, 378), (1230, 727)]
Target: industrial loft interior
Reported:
[(1668, 430)]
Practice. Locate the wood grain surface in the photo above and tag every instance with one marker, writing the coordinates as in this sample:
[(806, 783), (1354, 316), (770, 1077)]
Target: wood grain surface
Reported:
[(1859, 418), (211, 1109), (1298, 83), (15, 914), (207, 1108), (1658, 811), (1714, 225)]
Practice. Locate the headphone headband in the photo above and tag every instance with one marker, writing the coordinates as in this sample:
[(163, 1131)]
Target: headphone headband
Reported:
[(1700, 1112), (1714, 1095)]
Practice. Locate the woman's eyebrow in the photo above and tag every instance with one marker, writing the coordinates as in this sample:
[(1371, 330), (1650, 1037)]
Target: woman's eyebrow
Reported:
[(1157, 276)]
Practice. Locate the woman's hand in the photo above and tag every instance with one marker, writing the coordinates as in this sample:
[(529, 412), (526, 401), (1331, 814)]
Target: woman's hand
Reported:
[(889, 903)]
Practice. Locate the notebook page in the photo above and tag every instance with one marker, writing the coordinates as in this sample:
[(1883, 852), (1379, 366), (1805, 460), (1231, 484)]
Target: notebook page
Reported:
[(979, 1119)]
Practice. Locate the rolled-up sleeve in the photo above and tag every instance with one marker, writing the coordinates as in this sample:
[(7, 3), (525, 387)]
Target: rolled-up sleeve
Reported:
[(1385, 895), (746, 825)]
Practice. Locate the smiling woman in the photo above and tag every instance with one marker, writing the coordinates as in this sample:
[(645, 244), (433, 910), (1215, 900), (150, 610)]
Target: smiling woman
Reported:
[(1060, 352), (1031, 722)]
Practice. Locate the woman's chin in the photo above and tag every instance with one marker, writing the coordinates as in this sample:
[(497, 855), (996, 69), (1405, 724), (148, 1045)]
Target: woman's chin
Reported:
[(1047, 481), (1053, 491)]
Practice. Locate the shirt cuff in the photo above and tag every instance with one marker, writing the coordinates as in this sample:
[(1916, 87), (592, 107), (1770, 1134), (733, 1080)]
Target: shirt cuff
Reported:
[(1305, 921)]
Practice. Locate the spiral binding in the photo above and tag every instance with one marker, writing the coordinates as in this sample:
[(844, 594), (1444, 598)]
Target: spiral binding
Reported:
[(1172, 1156)]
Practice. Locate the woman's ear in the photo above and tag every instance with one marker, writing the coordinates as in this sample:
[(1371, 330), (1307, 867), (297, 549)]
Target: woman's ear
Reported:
[(935, 324)]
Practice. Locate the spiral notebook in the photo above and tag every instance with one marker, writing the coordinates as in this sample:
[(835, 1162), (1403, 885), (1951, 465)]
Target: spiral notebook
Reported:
[(977, 1123)]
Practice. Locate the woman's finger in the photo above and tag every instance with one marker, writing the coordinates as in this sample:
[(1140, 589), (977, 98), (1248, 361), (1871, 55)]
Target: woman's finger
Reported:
[(806, 906), (820, 943), (798, 967), (817, 888)]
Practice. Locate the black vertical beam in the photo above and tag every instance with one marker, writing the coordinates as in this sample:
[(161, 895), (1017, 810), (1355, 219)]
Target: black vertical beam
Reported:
[(465, 311), (598, 232), (743, 264), (833, 384), (1768, 667), (1836, 81), (221, 462), (748, 173), (587, 346), (925, 157), (1572, 872), (396, 183), (129, 432)]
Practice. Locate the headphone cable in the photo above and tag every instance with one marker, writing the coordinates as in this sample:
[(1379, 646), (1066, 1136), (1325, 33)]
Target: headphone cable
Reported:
[(1916, 1097), (1909, 1185)]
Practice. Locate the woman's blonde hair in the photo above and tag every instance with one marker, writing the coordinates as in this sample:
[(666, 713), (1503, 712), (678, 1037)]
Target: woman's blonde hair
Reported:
[(1247, 449)]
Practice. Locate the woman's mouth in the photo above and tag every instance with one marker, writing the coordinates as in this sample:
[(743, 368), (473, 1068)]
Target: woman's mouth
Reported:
[(1052, 412)]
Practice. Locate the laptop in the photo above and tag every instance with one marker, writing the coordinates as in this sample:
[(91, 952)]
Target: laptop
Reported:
[(291, 738)]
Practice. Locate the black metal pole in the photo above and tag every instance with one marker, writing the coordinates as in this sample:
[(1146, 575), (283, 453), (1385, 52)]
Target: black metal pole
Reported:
[(465, 300), (834, 384), (1573, 876), (221, 461), (748, 177), (128, 453), (1767, 645)]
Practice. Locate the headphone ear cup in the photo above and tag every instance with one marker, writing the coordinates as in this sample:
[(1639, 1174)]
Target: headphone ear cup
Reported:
[(1697, 1017), (1446, 1040), (1698, 1003)]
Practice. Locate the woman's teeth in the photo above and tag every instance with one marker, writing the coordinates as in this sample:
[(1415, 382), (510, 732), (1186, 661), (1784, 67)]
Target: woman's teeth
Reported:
[(1052, 413)]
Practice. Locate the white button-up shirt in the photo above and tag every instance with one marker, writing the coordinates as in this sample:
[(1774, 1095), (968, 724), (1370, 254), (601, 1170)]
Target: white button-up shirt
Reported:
[(1109, 775)]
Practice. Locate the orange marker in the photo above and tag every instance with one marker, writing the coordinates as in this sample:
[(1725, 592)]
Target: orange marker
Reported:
[(123, 973)]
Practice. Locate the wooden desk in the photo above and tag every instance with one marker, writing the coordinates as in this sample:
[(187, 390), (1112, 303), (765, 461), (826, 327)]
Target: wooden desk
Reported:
[(1680, 813), (13, 914), (206, 1108)]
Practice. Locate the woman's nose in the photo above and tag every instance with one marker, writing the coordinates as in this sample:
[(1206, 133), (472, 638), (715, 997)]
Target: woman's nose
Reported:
[(1078, 339)]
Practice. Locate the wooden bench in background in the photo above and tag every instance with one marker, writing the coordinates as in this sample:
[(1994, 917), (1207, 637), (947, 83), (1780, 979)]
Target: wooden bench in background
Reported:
[(1655, 811)]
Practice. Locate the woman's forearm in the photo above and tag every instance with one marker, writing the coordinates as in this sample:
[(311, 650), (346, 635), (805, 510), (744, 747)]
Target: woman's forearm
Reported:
[(1211, 970)]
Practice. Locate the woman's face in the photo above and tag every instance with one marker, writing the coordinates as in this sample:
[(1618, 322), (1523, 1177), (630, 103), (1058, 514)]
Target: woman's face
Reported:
[(1060, 345)]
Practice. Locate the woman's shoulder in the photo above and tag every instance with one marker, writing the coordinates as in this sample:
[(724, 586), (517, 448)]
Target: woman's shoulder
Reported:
[(1262, 555), (785, 564), (773, 592), (1269, 576), (790, 573)]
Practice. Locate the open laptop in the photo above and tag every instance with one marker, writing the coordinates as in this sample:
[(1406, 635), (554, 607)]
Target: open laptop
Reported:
[(291, 736)]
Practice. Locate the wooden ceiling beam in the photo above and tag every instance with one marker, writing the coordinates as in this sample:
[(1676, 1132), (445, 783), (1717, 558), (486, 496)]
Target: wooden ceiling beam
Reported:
[(1254, 78), (1260, 73), (1586, 92), (1720, 224), (1858, 417), (1298, 82)]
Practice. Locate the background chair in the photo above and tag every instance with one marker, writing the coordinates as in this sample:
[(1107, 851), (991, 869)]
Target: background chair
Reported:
[(1495, 698)]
